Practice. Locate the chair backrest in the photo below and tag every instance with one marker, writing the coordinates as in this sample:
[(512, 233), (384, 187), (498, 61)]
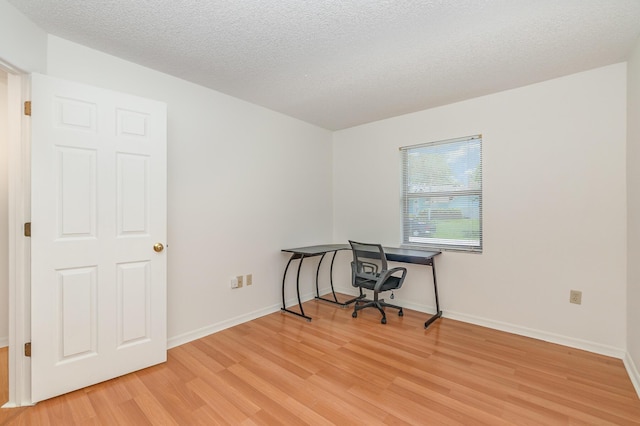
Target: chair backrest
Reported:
[(364, 254)]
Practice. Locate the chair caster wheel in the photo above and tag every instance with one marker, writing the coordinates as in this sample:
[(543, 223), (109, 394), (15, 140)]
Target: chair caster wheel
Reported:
[(400, 313), (383, 320), (354, 315)]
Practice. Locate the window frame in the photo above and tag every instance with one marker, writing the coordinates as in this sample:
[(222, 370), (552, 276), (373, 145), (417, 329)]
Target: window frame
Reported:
[(408, 197)]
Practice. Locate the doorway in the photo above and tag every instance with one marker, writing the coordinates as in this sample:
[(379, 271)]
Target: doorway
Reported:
[(4, 246), (14, 250)]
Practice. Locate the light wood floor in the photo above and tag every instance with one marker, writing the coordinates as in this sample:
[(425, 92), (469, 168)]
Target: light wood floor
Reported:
[(280, 369), (4, 375)]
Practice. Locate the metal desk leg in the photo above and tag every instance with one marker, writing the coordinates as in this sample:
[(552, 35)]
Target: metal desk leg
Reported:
[(335, 298), (284, 278), (438, 313), (318, 273)]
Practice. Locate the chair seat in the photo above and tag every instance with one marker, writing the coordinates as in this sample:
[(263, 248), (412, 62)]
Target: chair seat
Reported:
[(391, 284)]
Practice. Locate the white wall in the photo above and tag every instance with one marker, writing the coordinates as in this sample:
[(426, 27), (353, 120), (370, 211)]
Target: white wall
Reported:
[(23, 45), (553, 203), (633, 200), (244, 183), (4, 218)]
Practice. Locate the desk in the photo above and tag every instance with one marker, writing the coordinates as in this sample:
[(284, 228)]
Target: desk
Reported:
[(311, 251), (393, 254)]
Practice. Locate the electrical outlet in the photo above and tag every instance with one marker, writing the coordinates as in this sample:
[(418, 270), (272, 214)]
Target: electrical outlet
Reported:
[(575, 296), (234, 282), (249, 279), (239, 278)]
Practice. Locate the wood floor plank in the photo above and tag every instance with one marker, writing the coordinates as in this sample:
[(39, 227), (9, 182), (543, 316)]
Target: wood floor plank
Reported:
[(444, 403), (154, 410), (280, 369), (409, 410), (360, 411), (4, 375), (80, 405), (222, 409)]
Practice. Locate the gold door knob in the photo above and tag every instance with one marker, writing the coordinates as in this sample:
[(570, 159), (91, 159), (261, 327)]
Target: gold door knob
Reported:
[(158, 247)]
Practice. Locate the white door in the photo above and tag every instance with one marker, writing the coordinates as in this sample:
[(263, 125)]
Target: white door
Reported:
[(98, 287)]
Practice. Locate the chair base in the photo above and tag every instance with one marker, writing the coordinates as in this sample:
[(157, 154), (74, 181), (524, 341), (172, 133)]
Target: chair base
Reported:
[(375, 303)]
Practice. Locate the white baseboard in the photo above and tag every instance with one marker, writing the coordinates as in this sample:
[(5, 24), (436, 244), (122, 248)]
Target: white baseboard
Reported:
[(172, 342), (516, 329), (9, 405), (632, 370), (540, 335)]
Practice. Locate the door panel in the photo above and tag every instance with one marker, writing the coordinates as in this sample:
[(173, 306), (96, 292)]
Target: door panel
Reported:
[(133, 195), (98, 206), (76, 177), (78, 305), (133, 303)]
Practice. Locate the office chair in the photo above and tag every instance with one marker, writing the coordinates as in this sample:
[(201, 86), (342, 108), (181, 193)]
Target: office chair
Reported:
[(369, 271)]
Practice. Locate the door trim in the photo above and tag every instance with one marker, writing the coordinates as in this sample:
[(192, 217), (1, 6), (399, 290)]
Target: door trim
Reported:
[(19, 248)]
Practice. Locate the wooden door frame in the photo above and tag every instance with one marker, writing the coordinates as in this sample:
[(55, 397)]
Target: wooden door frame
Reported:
[(19, 200)]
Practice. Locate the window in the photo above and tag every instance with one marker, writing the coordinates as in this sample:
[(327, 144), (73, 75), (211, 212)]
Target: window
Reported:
[(442, 194)]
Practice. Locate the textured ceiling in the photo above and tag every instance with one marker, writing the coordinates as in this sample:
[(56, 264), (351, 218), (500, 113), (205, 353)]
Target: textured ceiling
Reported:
[(340, 63)]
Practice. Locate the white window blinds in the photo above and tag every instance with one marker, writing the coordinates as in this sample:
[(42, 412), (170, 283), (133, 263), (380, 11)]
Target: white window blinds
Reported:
[(442, 194)]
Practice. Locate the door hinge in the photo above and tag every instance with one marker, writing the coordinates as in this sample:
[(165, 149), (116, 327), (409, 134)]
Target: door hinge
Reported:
[(27, 349), (27, 108), (27, 229)]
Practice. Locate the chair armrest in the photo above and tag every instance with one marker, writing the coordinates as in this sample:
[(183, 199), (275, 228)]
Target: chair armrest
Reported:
[(355, 275), (384, 275)]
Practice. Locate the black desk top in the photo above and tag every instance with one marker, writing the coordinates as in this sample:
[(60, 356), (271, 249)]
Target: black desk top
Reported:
[(394, 254), (397, 254), (319, 249)]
